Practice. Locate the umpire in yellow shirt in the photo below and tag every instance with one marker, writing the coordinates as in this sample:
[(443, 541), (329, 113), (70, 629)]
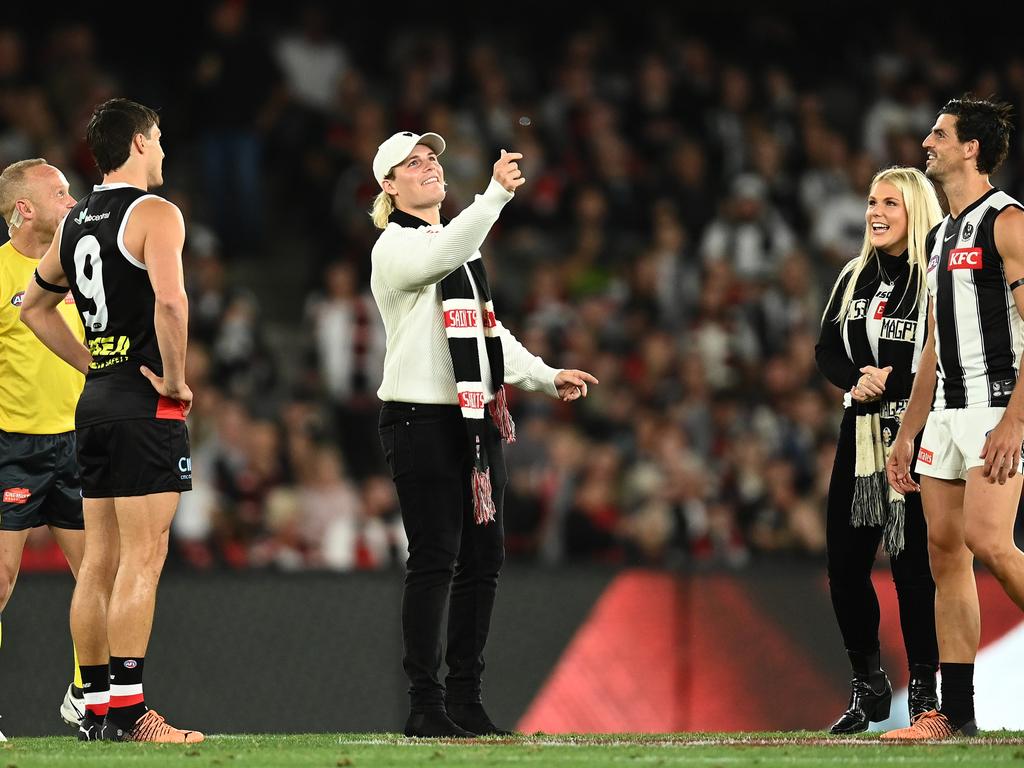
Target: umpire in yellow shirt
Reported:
[(38, 393)]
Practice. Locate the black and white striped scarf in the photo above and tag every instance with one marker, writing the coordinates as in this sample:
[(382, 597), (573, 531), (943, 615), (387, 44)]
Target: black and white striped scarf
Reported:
[(464, 314), (874, 501)]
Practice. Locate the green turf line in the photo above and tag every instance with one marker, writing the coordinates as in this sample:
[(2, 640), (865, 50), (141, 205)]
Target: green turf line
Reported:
[(764, 750)]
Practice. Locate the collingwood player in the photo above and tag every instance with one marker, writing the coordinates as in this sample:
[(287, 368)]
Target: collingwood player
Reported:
[(970, 455), (119, 250)]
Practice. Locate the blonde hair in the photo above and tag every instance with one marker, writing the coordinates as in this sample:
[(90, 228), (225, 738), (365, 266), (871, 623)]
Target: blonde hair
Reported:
[(923, 213), (383, 206), (14, 187)]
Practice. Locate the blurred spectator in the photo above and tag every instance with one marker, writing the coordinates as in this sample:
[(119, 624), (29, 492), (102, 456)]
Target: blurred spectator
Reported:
[(238, 95), (750, 235)]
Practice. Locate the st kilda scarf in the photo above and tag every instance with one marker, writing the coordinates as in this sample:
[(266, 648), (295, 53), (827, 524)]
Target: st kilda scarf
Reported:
[(463, 315), (875, 502)]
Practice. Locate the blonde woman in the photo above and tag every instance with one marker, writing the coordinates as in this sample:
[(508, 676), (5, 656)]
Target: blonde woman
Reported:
[(872, 334)]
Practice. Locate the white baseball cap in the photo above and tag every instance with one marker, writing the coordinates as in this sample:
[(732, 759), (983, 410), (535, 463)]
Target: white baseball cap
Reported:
[(398, 147)]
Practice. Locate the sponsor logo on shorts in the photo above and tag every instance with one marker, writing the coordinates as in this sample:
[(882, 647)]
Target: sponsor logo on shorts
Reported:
[(17, 495), (1002, 388), (964, 258), (968, 231), (17, 298), (925, 456), (130, 663), (185, 467)]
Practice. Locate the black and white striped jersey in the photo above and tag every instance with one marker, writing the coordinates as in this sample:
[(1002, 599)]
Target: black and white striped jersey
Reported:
[(979, 333)]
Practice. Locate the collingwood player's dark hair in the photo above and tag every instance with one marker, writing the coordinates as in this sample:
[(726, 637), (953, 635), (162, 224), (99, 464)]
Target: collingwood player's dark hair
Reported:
[(113, 127), (986, 121)]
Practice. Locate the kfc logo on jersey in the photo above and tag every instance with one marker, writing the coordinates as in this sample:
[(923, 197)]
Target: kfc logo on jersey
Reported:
[(964, 258), (17, 298), (17, 495), (925, 456), (880, 312)]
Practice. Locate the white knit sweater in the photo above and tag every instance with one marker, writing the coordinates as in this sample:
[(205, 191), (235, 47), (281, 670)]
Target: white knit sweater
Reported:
[(408, 266)]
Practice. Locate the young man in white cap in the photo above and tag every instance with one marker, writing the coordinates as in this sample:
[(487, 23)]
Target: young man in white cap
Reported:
[(445, 416)]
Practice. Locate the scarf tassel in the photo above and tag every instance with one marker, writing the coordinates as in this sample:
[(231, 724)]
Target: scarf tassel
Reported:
[(483, 503), (892, 536), (498, 408), (875, 503), (868, 501)]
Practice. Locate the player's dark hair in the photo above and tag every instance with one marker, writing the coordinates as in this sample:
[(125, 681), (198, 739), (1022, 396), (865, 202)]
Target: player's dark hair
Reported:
[(986, 121), (113, 127)]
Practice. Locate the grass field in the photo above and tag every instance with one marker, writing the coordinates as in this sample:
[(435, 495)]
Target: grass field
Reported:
[(804, 749)]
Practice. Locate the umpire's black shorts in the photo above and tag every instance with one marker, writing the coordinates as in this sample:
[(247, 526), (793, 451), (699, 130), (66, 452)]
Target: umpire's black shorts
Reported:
[(39, 482), (134, 457)]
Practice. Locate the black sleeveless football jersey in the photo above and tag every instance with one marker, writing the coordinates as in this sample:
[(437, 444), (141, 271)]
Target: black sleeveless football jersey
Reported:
[(979, 333), (116, 301)]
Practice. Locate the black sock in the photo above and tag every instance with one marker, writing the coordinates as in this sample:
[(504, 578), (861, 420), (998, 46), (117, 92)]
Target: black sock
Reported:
[(127, 703), (957, 692), (96, 689)]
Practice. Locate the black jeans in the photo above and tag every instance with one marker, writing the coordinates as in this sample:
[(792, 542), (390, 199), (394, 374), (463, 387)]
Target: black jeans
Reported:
[(428, 450), (851, 554)]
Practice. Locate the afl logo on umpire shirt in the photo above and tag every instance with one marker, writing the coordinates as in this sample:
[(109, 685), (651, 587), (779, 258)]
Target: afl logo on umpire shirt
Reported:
[(17, 298)]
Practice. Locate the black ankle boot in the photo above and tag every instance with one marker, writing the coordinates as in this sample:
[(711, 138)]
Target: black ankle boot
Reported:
[(923, 696), (474, 718), (434, 725), (870, 695)]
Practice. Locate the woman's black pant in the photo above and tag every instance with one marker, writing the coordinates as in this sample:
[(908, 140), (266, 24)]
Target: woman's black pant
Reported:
[(851, 554), (428, 451)]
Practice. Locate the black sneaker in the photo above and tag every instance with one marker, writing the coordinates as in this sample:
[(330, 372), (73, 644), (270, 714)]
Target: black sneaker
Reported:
[(474, 718), (90, 728), (435, 725)]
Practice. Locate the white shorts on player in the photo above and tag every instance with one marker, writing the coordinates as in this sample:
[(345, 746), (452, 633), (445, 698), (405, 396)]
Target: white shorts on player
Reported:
[(953, 440)]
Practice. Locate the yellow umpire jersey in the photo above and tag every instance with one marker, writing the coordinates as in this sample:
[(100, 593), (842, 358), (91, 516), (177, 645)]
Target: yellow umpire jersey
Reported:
[(38, 390)]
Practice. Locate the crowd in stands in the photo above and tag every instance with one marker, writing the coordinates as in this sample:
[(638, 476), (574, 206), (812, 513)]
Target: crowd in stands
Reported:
[(692, 193)]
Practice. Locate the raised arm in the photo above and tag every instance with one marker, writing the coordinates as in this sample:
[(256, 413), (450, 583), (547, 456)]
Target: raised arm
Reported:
[(408, 259)]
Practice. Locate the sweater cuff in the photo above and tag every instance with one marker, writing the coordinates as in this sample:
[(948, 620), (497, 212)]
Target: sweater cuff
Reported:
[(497, 194), (544, 375)]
